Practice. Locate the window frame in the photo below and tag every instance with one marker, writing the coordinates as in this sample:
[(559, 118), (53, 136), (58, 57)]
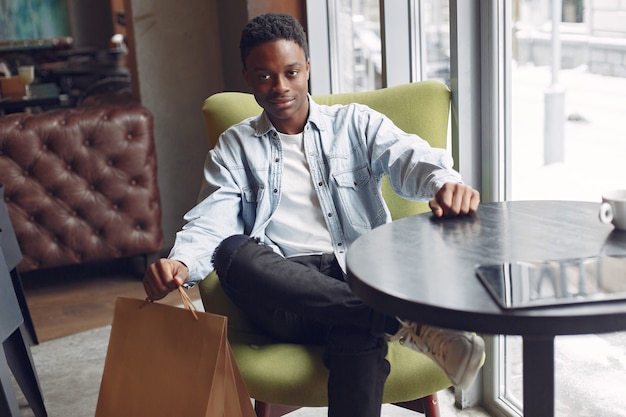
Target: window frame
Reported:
[(320, 50), (480, 106), (398, 50)]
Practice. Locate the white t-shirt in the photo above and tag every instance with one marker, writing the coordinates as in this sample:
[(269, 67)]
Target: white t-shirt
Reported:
[(298, 226)]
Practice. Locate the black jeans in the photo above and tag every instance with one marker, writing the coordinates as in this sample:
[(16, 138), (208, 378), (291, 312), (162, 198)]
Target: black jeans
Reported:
[(306, 300)]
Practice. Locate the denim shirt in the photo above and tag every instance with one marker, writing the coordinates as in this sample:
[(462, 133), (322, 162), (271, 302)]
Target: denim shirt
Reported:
[(348, 148)]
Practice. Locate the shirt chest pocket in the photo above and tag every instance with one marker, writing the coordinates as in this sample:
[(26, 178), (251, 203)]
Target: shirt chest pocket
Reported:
[(353, 179), (253, 194), (361, 203), (251, 200)]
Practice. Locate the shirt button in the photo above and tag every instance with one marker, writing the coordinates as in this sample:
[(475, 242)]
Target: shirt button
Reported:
[(330, 214), (275, 190), (320, 183)]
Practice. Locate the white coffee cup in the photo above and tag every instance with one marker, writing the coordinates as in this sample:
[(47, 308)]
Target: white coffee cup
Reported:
[(613, 208)]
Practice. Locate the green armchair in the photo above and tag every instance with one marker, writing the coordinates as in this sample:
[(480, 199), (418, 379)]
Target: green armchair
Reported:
[(281, 376)]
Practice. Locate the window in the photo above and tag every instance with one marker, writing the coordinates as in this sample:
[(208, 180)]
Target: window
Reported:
[(568, 92), (572, 11), (356, 26), (433, 17), (539, 92), (357, 36)]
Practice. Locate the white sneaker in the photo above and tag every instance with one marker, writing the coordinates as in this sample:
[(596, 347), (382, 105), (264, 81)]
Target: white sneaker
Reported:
[(458, 353)]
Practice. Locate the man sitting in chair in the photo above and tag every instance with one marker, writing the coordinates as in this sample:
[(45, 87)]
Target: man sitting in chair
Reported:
[(285, 194)]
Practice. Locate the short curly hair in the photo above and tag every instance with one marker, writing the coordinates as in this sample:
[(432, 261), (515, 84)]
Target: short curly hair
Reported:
[(268, 28)]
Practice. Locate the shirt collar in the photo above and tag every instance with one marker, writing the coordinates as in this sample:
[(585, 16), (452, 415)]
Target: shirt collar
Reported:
[(263, 125)]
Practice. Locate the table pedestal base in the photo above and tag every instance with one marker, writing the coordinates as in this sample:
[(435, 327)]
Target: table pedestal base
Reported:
[(538, 376)]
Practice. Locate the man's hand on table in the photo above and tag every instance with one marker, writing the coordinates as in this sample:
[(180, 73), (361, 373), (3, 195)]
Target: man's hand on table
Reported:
[(454, 199)]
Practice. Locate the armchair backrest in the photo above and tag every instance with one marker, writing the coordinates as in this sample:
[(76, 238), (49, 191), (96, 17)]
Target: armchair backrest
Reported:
[(421, 108)]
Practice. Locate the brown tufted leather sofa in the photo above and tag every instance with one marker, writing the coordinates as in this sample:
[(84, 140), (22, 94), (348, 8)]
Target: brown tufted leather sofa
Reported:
[(81, 184)]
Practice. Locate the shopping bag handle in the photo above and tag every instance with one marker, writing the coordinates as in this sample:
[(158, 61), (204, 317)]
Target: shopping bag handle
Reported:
[(189, 305)]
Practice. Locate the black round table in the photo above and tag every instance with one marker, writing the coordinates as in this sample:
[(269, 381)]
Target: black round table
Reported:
[(423, 268)]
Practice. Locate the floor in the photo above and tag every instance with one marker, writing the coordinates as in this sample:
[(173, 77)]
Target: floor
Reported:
[(67, 301)]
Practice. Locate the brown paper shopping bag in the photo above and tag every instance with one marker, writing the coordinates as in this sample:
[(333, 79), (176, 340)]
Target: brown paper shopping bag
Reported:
[(166, 361)]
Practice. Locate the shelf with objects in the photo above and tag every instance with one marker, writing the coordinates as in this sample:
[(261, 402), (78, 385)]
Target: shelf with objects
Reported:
[(65, 76)]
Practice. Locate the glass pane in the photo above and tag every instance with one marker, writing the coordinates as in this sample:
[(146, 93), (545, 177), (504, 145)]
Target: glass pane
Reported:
[(359, 51), (434, 24), (512, 371), (568, 80), (567, 111)]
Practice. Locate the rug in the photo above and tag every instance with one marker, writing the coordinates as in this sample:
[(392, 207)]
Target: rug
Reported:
[(69, 370)]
